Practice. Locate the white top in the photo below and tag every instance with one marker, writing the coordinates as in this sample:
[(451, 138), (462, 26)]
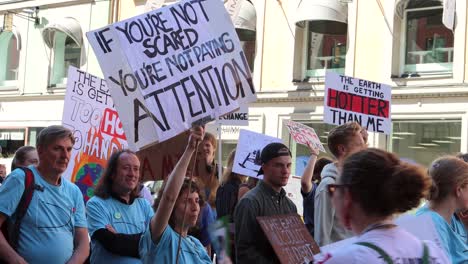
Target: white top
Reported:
[(400, 245)]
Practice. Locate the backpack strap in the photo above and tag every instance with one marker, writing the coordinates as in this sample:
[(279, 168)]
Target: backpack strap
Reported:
[(425, 257), (386, 257), (22, 206), (382, 253)]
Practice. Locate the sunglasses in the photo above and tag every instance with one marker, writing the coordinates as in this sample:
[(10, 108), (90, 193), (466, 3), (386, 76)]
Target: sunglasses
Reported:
[(333, 187)]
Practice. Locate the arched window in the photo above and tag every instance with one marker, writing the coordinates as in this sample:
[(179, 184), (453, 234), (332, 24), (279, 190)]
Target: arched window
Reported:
[(9, 58), (428, 45), (321, 38), (65, 39)]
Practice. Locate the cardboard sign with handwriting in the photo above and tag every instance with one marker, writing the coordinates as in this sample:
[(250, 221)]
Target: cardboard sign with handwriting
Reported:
[(289, 238)]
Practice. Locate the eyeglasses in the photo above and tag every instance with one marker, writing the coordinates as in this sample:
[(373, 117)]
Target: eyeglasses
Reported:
[(333, 187)]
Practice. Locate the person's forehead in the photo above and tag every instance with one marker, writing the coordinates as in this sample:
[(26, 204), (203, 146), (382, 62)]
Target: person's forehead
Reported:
[(281, 159), (61, 141), (128, 158)]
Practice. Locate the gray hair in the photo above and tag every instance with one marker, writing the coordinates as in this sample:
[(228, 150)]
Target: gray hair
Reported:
[(52, 133)]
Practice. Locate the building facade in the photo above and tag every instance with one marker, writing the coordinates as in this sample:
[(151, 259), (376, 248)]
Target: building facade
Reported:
[(290, 46), (39, 40)]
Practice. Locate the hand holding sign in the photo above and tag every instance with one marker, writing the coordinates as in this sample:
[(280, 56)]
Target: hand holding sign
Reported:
[(304, 135)]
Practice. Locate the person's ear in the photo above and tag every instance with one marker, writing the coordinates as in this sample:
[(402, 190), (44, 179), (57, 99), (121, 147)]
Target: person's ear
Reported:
[(341, 149)]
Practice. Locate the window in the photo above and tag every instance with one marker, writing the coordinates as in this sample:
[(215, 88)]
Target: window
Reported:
[(66, 52), (301, 153), (324, 52), (429, 44), (423, 141), (9, 58), (317, 52)]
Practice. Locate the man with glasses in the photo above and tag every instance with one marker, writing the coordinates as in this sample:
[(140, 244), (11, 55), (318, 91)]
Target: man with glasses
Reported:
[(53, 229), (268, 198), (343, 141)]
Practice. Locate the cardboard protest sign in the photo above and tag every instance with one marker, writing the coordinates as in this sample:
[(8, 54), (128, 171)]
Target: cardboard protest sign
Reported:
[(289, 238), (303, 134), (89, 113), (171, 67), (350, 99), (249, 147), (237, 118), (158, 161)]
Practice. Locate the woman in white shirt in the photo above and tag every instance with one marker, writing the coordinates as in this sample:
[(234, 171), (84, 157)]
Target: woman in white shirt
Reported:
[(374, 185)]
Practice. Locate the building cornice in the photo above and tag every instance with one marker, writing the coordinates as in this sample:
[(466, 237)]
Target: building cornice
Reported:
[(398, 93)]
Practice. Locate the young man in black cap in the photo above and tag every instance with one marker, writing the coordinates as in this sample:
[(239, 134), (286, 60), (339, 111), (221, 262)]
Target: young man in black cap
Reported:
[(268, 198)]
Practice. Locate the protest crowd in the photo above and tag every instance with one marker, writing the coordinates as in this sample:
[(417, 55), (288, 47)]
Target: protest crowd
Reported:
[(78, 196), (356, 197)]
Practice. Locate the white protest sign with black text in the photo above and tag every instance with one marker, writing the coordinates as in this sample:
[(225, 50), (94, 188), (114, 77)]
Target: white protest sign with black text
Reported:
[(303, 134), (172, 67), (89, 112), (237, 118), (247, 160), (350, 99)]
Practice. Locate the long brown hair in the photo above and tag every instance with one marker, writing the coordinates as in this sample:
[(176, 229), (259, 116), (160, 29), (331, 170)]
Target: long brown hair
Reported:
[(103, 188), (382, 184), (228, 174), (185, 186)]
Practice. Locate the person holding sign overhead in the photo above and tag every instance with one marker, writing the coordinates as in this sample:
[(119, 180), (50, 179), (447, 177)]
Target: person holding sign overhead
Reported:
[(177, 208), (268, 198), (374, 185), (309, 182)]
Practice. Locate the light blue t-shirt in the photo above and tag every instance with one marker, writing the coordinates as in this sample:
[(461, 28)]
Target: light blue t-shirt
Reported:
[(47, 229), (165, 251), (124, 218), (453, 236)]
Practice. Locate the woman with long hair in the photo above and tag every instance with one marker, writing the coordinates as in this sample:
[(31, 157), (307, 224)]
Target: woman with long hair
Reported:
[(374, 185), (448, 195), (226, 196)]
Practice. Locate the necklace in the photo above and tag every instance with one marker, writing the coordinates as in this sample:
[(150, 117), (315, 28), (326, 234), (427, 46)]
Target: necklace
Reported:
[(378, 225)]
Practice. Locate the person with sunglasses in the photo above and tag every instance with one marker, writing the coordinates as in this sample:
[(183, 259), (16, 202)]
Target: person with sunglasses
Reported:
[(375, 185), (343, 141)]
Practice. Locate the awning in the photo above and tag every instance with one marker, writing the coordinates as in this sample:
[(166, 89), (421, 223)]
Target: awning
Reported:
[(68, 25), (326, 16), (246, 20)]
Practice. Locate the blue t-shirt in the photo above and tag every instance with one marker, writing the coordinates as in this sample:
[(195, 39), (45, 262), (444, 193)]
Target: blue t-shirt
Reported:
[(124, 218), (47, 229), (165, 251), (453, 236)]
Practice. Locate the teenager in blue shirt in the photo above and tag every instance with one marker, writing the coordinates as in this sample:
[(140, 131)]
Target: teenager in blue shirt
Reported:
[(159, 243), (449, 194)]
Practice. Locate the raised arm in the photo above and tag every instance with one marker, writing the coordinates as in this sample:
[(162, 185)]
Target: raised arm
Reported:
[(174, 182), (306, 180)]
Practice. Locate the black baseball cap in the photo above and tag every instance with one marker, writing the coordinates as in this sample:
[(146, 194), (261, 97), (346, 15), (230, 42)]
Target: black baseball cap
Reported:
[(271, 151)]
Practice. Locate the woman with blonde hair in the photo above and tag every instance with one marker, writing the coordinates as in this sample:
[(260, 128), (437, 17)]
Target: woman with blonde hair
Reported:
[(226, 196), (374, 185), (448, 195)]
